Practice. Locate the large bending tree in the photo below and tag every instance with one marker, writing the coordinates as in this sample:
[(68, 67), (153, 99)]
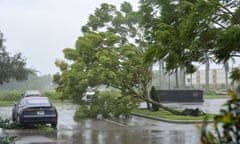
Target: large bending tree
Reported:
[(12, 67), (109, 53)]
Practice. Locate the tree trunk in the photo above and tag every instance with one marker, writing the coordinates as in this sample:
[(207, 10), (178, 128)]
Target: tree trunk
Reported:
[(171, 110), (207, 73), (182, 79), (160, 74), (146, 97), (169, 81), (146, 94), (191, 81), (177, 79), (148, 105), (226, 68)]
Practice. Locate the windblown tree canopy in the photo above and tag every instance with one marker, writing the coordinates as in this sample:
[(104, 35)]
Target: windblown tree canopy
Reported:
[(12, 67), (163, 20), (215, 25), (109, 53), (181, 32)]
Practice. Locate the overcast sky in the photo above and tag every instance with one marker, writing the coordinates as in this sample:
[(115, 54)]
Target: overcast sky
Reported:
[(41, 29)]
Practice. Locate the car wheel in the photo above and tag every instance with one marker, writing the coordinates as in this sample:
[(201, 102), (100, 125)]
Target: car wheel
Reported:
[(18, 119), (54, 125), (13, 118)]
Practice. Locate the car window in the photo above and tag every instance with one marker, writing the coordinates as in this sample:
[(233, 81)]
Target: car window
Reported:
[(38, 102), (31, 93)]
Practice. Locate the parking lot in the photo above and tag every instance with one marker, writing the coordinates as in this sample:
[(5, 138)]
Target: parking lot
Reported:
[(94, 131)]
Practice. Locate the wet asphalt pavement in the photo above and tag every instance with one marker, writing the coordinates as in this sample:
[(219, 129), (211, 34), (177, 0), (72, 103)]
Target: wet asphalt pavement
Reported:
[(135, 130)]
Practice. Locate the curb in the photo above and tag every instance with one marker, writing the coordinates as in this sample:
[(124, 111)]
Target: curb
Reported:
[(115, 123), (170, 121)]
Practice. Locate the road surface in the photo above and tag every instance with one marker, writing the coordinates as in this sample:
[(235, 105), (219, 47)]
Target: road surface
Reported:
[(135, 130)]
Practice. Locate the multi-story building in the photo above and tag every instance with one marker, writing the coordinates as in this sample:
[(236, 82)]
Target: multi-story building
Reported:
[(216, 78)]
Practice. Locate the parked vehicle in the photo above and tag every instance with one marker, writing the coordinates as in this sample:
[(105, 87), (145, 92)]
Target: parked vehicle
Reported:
[(35, 110), (28, 93), (87, 97)]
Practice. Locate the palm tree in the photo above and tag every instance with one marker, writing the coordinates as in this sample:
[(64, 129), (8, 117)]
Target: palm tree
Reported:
[(207, 68), (226, 68)]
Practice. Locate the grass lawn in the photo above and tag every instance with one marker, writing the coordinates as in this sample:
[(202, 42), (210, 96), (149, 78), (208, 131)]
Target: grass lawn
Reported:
[(7, 103), (11, 103), (167, 115), (215, 96)]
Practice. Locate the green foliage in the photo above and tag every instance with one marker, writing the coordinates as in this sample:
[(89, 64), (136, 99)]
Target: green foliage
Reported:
[(226, 126), (235, 75), (165, 40), (53, 95), (228, 42), (183, 32), (8, 124), (12, 67), (44, 128), (163, 114), (7, 95), (81, 113), (107, 104), (7, 139), (109, 53), (14, 95), (154, 96), (214, 96)]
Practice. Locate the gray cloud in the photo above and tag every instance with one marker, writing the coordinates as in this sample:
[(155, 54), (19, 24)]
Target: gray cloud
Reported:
[(41, 29)]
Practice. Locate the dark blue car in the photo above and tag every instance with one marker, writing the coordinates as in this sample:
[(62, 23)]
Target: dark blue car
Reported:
[(35, 110)]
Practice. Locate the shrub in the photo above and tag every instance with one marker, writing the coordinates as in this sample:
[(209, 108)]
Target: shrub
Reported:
[(123, 106), (226, 126), (107, 104), (10, 95), (154, 96), (7, 139), (8, 124), (53, 95), (95, 110), (82, 112)]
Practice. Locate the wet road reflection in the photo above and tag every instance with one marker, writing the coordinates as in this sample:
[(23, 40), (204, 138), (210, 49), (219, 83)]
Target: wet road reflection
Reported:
[(152, 132), (106, 134), (135, 130)]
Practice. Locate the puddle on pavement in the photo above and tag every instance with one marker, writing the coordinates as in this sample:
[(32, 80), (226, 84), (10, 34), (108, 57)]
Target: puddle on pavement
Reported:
[(33, 136)]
